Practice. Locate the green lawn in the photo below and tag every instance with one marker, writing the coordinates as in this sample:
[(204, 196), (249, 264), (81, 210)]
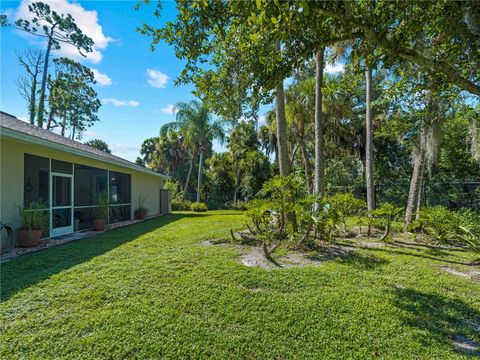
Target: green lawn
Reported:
[(153, 291)]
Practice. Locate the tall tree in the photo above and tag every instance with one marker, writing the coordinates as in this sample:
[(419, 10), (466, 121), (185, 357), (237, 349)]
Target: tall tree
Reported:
[(195, 122), (369, 142), (100, 145), (32, 61), (72, 98), (57, 29), (319, 172)]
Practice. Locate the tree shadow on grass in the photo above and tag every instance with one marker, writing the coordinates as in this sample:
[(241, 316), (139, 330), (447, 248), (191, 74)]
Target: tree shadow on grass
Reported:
[(447, 321), (30, 269), (344, 255)]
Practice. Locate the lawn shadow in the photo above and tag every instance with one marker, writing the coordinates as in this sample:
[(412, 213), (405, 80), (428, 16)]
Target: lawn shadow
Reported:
[(27, 270), (394, 250), (344, 255), (448, 321)]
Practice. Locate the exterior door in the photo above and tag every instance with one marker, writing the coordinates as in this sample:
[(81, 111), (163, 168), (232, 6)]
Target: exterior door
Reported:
[(61, 200)]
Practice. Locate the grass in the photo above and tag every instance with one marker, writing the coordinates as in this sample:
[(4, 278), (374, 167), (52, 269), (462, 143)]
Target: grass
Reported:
[(153, 291)]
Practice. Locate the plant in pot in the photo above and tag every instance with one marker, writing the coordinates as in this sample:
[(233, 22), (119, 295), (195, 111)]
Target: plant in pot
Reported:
[(34, 219), (101, 211), (141, 211)]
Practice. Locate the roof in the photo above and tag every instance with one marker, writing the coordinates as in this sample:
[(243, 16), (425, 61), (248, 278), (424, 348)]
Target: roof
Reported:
[(13, 127)]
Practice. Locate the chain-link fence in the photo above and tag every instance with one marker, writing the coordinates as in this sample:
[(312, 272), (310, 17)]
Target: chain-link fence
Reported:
[(453, 195)]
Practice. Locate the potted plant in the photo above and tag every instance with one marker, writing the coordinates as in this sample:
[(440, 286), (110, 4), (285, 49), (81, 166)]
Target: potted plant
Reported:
[(101, 211), (34, 219), (141, 211)]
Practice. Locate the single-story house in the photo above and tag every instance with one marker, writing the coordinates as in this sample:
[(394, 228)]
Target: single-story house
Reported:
[(39, 165)]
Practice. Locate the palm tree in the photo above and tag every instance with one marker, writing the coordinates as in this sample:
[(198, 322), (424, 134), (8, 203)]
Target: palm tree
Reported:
[(198, 127), (319, 173)]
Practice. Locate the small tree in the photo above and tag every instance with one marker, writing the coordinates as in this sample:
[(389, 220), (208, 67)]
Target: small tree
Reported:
[(99, 144), (57, 29)]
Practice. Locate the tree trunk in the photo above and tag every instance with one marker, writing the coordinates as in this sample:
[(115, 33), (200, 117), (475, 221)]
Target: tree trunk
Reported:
[(237, 185), (319, 176), (64, 124), (415, 182), (369, 145), (306, 164), (185, 189), (41, 102), (33, 98), (200, 170), (282, 149), (420, 192)]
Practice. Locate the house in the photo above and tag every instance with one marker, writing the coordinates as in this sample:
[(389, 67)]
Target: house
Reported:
[(39, 165)]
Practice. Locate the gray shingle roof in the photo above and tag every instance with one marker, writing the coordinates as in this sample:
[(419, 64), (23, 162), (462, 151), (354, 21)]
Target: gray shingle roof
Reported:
[(10, 122)]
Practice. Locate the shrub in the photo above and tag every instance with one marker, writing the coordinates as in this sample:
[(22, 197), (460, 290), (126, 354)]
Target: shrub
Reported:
[(180, 204), (346, 204), (198, 207), (448, 226), (384, 215)]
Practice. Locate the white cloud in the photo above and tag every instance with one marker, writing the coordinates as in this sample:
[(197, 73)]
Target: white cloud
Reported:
[(86, 20), (335, 68), (90, 134), (101, 79), (117, 102), (169, 109), (156, 78), (125, 151), (262, 120)]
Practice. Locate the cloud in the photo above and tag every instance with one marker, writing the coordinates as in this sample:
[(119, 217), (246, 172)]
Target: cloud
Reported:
[(156, 78), (262, 120), (116, 102), (125, 151), (101, 79), (335, 68), (86, 20), (169, 109), (90, 134)]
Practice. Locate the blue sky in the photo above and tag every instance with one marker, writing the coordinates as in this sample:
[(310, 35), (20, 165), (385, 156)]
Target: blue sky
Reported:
[(135, 85)]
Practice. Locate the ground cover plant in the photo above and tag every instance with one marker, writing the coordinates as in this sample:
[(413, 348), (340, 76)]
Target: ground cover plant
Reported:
[(155, 290)]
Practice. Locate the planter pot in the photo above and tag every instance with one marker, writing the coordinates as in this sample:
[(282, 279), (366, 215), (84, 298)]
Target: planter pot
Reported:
[(99, 224), (140, 215), (29, 238)]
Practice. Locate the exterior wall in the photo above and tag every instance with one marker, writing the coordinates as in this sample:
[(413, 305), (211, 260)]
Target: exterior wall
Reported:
[(12, 181)]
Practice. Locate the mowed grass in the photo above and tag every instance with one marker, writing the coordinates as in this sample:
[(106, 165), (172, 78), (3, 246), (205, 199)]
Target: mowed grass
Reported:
[(152, 290)]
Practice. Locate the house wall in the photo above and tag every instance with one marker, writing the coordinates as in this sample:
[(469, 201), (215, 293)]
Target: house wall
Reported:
[(12, 180)]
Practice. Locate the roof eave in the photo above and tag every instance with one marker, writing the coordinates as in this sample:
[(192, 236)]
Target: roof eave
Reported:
[(61, 147)]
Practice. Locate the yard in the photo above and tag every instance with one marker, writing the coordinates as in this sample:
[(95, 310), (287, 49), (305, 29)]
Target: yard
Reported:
[(155, 290)]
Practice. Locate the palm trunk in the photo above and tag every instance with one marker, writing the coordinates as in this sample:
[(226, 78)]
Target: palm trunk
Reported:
[(185, 189), (415, 182), (199, 180), (319, 176), (41, 102), (237, 185), (369, 145), (282, 149), (306, 164), (420, 193)]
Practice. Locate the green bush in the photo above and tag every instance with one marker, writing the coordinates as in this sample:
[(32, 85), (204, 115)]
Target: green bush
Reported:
[(198, 207), (448, 226), (180, 204), (346, 204)]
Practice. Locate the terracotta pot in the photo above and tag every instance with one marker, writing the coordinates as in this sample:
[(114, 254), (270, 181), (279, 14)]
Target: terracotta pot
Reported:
[(140, 215), (29, 238), (99, 224)]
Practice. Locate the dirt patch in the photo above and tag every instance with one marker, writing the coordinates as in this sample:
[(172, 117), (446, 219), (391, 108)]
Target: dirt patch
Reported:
[(214, 242), (256, 258), (468, 274), (465, 345)]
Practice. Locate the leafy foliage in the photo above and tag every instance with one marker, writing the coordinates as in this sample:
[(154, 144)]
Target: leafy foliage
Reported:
[(34, 216), (450, 227), (198, 207), (100, 145)]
